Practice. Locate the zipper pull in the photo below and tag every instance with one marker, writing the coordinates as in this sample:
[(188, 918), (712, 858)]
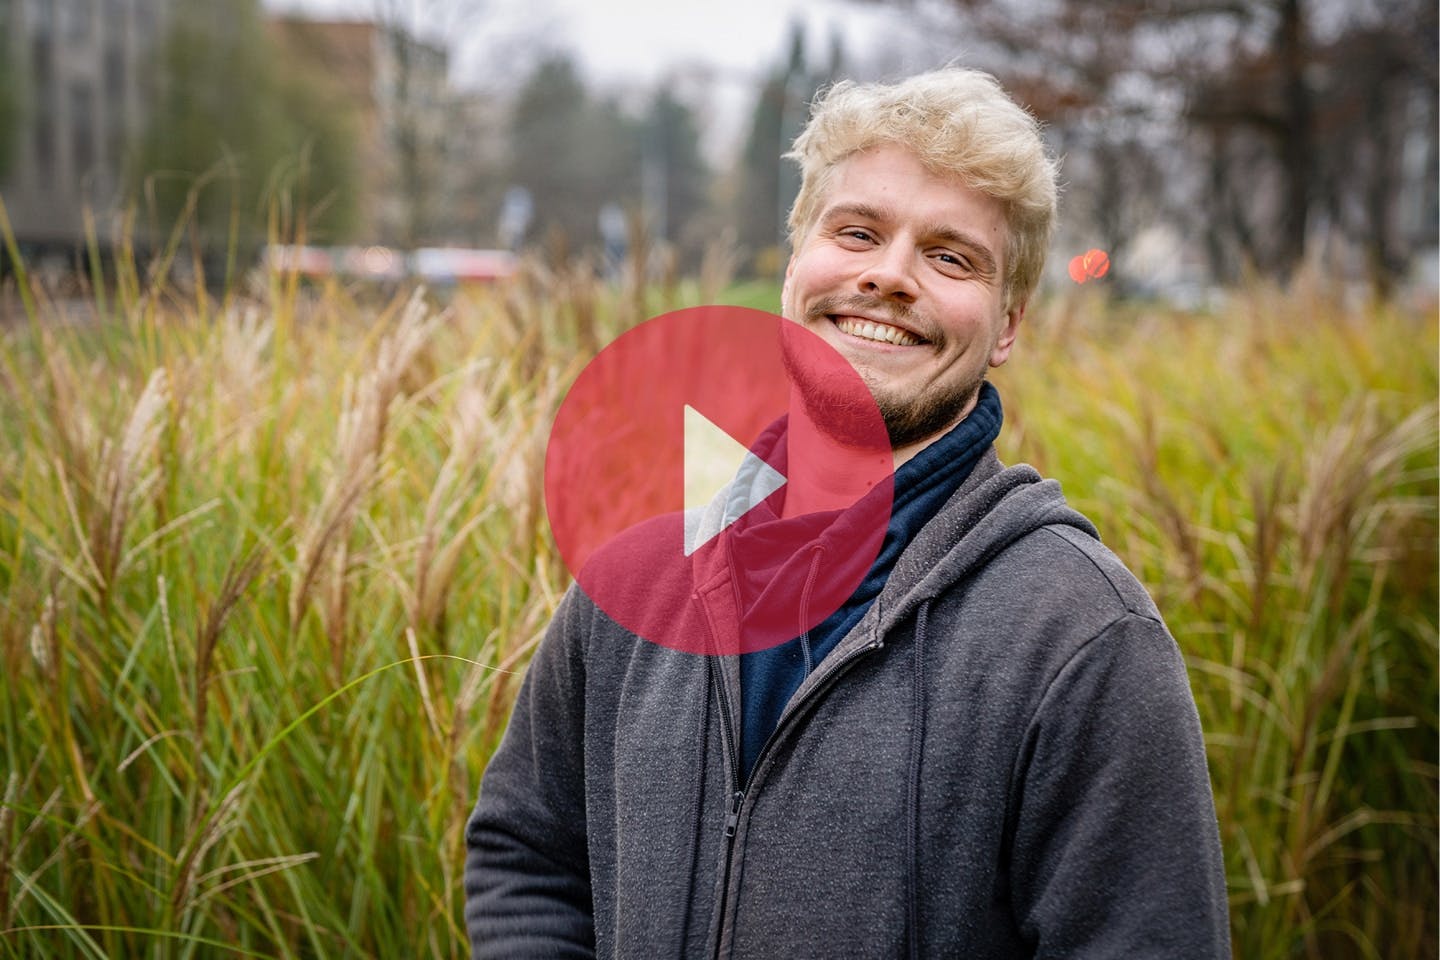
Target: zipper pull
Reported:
[(732, 816)]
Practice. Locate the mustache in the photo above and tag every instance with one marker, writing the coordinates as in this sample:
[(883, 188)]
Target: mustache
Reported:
[(899, 314)]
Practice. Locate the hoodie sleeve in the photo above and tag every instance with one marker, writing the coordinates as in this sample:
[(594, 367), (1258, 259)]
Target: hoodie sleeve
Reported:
[(527, 877), (1116, 849)]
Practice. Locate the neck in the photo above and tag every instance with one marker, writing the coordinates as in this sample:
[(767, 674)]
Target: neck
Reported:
[(823, 473), (909, 450)]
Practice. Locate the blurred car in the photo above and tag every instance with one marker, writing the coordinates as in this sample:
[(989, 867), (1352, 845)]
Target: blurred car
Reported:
[(447, 266)]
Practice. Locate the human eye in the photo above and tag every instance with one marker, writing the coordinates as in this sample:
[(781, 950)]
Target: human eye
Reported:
[(856, 235), (951, 262)]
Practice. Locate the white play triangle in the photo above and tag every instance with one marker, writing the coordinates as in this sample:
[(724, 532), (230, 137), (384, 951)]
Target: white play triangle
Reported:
[(712, 460)]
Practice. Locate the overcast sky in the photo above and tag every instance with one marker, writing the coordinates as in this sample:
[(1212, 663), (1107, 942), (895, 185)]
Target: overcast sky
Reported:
[(633, 40), (630, 45)]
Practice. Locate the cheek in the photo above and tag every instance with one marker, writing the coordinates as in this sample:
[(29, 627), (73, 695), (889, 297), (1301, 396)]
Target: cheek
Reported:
[(816, 274), (794, 295), (823, 270)]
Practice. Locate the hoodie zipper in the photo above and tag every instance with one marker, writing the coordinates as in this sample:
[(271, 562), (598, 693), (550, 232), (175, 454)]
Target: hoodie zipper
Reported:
[(740, 791), (737, 793)]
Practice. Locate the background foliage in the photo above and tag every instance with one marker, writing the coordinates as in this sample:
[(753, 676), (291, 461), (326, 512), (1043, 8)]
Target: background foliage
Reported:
[(234, 118)]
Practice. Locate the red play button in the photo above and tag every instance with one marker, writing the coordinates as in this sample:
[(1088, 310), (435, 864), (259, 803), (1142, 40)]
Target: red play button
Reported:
[(713, 459), (719, 480)]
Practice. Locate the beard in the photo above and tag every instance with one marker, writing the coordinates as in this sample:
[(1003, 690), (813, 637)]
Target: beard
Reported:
[(831, 400), (912, 419), (833, 396)]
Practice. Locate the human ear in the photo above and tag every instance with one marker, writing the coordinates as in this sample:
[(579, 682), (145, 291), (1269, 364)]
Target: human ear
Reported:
[(1006, 337), (785, 288)]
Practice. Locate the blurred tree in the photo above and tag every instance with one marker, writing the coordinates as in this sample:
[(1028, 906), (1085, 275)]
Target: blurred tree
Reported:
[(317, 169), (1376, 125), (767, 184), (422, 114), (573, 154), (1265, 123), (675, 179), (1103, 79), (1320, 102), (233, 123), (469, 193)]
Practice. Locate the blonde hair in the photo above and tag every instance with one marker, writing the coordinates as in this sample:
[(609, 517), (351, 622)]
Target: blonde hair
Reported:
[(957, 122)]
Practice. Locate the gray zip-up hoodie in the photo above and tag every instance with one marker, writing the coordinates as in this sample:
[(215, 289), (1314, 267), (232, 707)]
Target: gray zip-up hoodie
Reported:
[(1003, 759)]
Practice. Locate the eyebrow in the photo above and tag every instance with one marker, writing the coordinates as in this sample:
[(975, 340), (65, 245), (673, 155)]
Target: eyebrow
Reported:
[(984, 259)]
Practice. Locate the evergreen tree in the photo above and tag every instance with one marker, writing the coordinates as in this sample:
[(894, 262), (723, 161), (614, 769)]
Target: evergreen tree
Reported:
[(676, 178), (573, 154), (768, 183)]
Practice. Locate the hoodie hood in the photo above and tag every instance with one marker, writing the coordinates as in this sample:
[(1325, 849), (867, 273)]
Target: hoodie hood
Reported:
[(993, 508)]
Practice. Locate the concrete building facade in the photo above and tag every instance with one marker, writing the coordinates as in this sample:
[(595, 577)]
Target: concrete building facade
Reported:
[(86, 79), (83, 78), (397, 87)]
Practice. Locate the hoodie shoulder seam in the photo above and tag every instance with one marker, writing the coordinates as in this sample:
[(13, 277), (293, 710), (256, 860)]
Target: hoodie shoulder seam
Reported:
[(1085, 548)]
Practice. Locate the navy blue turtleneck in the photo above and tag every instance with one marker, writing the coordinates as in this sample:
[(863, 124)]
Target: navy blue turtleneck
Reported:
[(768, 678)]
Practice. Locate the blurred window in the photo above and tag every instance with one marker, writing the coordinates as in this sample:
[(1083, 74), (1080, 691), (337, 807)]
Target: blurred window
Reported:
[(44, 148), (115, 68), (82, 122), (42, 61), (42, 93), (116, 99)]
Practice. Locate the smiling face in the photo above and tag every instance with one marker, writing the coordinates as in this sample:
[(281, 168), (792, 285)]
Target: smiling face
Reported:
[(903, 273)]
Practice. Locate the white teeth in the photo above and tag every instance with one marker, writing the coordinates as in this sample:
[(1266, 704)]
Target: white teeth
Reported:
[(883, 332)]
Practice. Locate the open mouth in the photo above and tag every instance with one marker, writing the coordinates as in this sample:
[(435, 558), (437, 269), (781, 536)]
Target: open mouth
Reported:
[(875, 331)]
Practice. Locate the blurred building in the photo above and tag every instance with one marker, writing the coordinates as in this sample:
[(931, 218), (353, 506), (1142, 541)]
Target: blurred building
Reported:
[(84, 76), (398, 88), (80, 72), (471, 184)]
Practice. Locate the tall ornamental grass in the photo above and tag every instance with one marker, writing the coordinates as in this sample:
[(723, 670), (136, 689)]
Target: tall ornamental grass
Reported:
[(271, 567), (1269, 471)]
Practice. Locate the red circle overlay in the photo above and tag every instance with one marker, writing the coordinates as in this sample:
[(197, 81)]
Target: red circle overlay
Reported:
[(760, 564)]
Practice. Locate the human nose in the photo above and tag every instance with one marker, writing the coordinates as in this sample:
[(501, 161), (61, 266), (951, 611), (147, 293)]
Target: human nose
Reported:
[(890, 274)]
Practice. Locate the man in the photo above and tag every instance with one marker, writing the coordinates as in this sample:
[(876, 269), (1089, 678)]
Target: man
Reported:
[(989, 750)]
